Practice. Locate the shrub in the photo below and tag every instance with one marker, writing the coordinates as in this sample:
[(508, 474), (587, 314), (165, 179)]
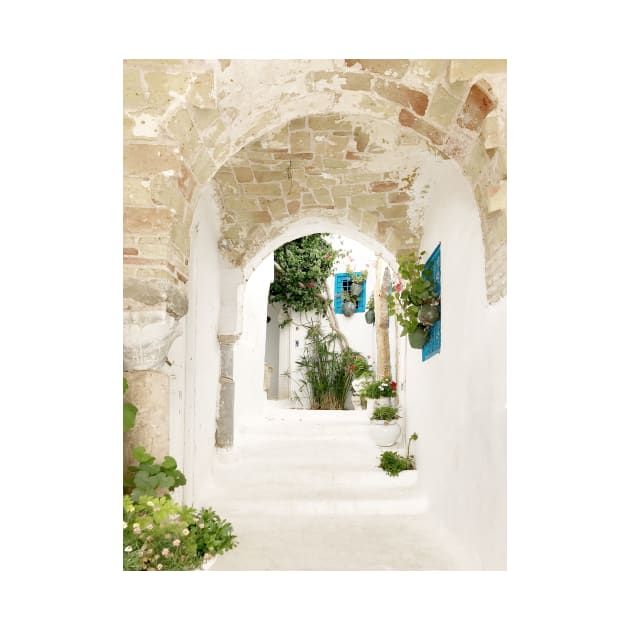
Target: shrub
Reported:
[(306, 263), (359, 365), (385, 388), (393, 463), (160, 535), (150, 479), (385, 413), (327, 373)]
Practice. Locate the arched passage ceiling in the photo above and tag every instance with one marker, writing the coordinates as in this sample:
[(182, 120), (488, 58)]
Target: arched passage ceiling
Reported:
[(187, 121), (345, 167)]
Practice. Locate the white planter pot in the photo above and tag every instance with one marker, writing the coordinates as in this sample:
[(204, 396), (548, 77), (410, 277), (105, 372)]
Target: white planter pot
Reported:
[(384, 433), (207, 565), (371, 403), (386, 402)]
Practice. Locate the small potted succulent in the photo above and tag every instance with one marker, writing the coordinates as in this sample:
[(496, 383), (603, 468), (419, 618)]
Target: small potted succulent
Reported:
[(384, 428), (370, 317)]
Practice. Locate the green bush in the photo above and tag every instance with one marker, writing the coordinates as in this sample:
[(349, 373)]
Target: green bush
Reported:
[(306, 264), (385, 413), (150, 479), (359, 365), (161, 535), (393, 463), (326, 371), (384, 388)]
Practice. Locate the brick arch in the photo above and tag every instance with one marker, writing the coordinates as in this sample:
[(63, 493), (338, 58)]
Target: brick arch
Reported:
[(303, 226), (184, 120)]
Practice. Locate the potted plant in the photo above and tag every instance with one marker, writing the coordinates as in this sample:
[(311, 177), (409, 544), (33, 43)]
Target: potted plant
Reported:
[(393, 463), (414, 300), (371, 393), (384, 428), (387, 393), (369, 310), (349, 303), (358, 281)]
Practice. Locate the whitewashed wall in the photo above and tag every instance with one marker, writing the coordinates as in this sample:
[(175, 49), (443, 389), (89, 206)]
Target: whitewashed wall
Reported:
[(456, 400), (249, 351), (197, 435)]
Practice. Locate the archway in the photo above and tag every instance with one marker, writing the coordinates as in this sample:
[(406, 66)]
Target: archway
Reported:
[(186, 124)]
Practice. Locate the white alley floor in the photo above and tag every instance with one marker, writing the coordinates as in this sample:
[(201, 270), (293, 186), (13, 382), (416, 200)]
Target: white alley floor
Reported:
[(304, 493)]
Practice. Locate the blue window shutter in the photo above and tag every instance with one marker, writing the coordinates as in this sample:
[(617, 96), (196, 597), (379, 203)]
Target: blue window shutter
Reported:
[(434, 343), (338, 288)]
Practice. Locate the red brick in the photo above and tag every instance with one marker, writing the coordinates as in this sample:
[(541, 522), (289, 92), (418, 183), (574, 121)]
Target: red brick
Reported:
[(130, 251), (417, 101), (383, 186), (398, 197), (479, 103), (351, 155), (430, 132)]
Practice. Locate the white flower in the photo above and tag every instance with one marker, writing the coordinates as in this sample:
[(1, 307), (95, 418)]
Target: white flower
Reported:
[(201, 525), (176, 542), (125, 525), (150, 526), (159, 567), (128, 549), (185, 532), (150, 503), (165, 552)]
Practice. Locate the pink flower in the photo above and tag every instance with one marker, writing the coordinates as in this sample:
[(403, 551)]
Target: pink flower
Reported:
[(353, 368), (398, 287), (368, 356), (311, 284)]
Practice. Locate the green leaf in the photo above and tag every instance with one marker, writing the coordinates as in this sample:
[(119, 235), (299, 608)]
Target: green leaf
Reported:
[(129, 416), (169, 463), (142, 456)]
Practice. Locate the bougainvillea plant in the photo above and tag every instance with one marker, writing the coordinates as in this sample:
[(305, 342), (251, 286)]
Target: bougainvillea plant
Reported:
[(306, 263)]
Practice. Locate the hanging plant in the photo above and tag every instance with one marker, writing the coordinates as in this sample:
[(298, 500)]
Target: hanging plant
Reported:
[(414, 300), (370, 316)]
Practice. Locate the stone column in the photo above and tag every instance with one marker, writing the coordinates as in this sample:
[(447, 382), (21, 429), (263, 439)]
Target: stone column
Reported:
[(225, 421), (147, 337), (149, 392)]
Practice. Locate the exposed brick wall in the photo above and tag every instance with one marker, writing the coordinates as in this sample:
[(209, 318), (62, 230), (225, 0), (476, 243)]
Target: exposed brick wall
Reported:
[(186, 122)]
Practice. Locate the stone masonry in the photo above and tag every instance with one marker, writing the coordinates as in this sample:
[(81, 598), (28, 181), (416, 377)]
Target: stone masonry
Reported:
[(282, 139)]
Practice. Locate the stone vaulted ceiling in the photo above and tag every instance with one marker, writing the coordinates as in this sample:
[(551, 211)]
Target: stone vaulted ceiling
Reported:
[(346, 167)]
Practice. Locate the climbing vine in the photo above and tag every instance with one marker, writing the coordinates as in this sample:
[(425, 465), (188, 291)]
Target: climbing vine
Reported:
[(302, 267)]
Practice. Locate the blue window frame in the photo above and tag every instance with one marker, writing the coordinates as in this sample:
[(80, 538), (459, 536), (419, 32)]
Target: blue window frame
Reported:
[(342, 283), (434, 343)]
